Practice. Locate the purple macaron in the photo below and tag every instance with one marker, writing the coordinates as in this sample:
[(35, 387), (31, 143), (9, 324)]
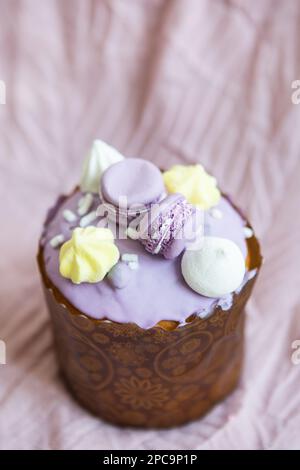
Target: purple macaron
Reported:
[(130, 187), (165, 228)]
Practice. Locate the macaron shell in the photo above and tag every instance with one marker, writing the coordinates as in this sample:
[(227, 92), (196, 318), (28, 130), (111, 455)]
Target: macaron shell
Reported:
[(184, 236), (159, 209), (175, 249), (139, 180), (162, 227)]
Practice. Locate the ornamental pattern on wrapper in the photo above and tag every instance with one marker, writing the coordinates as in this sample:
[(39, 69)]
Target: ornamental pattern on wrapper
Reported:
[(150, 377)]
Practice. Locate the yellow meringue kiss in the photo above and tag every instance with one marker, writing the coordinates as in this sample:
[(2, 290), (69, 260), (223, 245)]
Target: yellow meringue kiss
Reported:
[(198, 187), (89, 255)]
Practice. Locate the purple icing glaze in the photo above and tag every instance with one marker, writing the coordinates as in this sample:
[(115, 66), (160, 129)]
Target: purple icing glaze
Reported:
[(157, 291)]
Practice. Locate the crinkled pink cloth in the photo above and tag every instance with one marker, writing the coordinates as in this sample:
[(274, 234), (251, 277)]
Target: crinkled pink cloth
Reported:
[(171, 81)]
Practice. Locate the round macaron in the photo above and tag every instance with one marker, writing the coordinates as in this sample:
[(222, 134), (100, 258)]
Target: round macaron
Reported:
[(163, 230), (129, 187), (215, 269)]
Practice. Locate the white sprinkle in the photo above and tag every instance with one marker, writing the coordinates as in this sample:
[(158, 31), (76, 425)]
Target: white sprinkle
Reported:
[(69, 216), (131, 233), (216, 213), (133, 265), (80, 201), (83, 199), (57, 240), (248, 232), (88, 219), (84, 204), (130, 257)]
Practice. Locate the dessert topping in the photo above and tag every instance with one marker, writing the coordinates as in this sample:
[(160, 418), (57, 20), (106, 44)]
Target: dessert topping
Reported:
[(101, 157), (128, 257), (84, 204), (89, 255), (133, 265), (216, 213), (129, 188), (132, 260), (120, 275), (69, 216), (88, 219), (199, 188), (57, 240), (167, 227), (215, 269)]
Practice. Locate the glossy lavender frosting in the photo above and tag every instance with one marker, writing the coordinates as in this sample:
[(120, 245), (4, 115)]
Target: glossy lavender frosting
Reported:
[(156, 291)]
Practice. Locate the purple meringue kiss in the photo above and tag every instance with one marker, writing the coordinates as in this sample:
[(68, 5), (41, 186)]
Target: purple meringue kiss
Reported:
[(163, 229)]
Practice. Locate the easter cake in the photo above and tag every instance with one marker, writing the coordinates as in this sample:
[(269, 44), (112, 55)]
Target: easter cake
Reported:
[(146, 275)]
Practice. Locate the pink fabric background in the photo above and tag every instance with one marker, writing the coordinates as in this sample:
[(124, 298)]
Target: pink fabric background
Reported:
[(171, 81)]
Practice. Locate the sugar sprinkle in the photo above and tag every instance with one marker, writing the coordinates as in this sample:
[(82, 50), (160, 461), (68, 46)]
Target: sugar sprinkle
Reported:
[(216, 213), (88, 219), (84, 204), (56, 241), (69, 216), (130, 257), (133, 265)]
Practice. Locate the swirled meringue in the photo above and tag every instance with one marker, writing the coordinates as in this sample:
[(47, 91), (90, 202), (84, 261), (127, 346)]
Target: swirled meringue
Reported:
[(89, 255), (100, 157), (216, 269), (198, 187)]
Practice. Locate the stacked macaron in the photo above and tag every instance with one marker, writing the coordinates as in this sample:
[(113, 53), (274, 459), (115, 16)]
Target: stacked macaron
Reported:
[(133, 190)]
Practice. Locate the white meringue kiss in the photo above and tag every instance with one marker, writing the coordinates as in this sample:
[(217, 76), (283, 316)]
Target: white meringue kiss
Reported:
[(101, 157), (216, 269)]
